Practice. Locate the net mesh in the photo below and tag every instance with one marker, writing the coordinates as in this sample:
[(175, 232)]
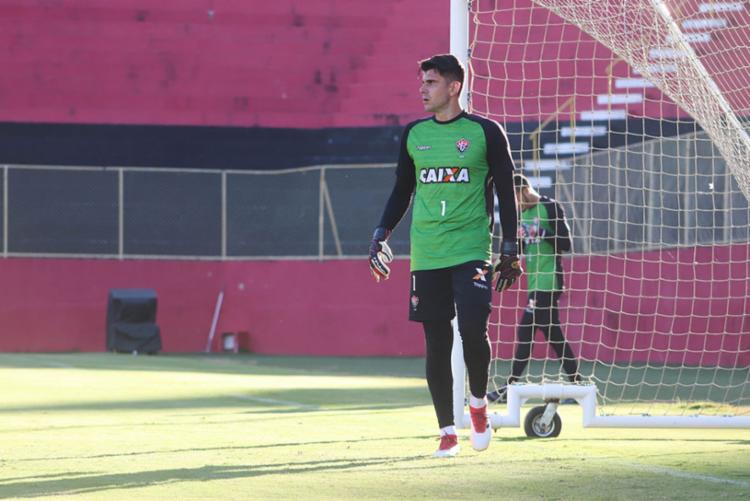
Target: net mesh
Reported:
[(632, 115)]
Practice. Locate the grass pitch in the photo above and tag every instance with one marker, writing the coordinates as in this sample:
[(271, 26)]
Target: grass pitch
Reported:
[(103, 426)]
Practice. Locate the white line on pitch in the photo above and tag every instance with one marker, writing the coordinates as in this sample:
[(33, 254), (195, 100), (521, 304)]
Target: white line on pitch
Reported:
[(273, 401), (672, 472), (683, 474)]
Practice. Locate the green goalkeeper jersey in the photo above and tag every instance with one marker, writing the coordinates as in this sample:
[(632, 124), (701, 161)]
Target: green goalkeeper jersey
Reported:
[(545, 235), (541, 265), (450, 168)]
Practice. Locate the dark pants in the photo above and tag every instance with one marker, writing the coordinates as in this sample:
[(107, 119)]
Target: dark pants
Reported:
[(433, 296), (542, 313)]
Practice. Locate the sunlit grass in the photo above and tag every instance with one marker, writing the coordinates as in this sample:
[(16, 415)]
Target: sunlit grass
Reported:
[(102, 426)]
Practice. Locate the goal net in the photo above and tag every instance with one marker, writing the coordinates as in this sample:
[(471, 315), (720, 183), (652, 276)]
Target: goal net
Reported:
[(633, 115)]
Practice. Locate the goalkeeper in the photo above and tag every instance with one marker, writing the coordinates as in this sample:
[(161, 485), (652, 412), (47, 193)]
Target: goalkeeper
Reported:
[(448, 166), (544, 236)]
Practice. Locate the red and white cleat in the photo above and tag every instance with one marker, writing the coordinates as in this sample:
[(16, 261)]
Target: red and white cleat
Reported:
[(481, 431), (448, 447)]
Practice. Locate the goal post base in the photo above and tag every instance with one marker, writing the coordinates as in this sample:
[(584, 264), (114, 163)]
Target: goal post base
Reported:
[(585, 395), (640, 134)]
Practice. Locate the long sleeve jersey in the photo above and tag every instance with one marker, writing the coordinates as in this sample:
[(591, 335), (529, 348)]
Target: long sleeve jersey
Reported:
[(450, 170), (545, 236)]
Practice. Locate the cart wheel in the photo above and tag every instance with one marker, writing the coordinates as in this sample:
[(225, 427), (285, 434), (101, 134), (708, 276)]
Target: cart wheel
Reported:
[(534, 428)]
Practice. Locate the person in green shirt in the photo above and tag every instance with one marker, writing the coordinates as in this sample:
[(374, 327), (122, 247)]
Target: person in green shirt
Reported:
[(449, 167), (545, 235)]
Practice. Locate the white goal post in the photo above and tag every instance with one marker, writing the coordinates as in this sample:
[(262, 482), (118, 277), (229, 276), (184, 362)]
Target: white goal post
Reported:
[(634, 116)]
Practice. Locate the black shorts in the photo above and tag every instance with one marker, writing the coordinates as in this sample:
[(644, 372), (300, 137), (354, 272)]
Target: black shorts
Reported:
[(434, 293)]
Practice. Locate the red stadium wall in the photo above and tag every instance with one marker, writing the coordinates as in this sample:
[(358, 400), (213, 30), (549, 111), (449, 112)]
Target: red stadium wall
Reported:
[(287, 307), (280, 63), (675, 306), (289, 63), (333, 307)]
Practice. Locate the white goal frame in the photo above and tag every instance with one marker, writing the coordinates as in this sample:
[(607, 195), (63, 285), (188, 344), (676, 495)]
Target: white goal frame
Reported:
[(519, 394)]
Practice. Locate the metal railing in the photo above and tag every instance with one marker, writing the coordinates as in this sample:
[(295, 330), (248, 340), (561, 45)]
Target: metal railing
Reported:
[(221, 214), (666, 192)]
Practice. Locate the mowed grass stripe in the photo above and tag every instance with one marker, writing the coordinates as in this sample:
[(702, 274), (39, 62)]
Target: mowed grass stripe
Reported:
[(245, 427)]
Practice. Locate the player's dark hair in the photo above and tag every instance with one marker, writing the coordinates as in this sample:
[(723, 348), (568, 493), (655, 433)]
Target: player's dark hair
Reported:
[(447, 66), (520, 181)]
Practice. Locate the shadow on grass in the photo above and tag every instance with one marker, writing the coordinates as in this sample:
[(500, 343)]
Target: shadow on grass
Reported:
[(249, 418), (48, 476), (558, 473), (276, 401), (276, 445), (77, 483), (221, 364)]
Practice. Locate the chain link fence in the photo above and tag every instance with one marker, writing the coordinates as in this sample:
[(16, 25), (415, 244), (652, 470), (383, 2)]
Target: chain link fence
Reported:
[(314, 212), (670, 192)]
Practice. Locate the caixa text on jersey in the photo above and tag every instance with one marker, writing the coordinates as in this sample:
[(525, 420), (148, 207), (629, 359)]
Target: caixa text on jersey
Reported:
[(444, 175)]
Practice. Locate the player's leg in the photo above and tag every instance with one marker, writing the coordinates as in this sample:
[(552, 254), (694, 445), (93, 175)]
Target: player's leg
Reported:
[(524, 340), (431, 303), (472, 324), (438, 346), (550, 325), (472, 288)]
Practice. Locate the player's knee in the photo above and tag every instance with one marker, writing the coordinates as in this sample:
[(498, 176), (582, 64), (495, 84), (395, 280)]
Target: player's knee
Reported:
[(438, 335), (472, 322), (473, 313)]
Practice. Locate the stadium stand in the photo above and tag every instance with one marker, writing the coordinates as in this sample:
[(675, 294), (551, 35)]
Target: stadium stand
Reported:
[(273, 64), (236, 84), (289, 63)]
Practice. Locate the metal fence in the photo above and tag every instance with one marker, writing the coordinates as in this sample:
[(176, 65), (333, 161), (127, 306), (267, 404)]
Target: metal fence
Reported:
[(668, 192), (315, 212)]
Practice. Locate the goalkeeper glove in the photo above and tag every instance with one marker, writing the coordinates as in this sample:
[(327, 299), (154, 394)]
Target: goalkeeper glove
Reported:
[(508, 267), (380, 254)]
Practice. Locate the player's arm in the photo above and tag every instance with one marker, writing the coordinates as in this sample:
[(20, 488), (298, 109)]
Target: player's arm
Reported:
[(500, 161), (395, 208), (560, 239)]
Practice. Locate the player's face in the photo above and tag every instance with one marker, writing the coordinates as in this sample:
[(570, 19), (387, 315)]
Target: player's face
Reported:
[(436, 91)]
